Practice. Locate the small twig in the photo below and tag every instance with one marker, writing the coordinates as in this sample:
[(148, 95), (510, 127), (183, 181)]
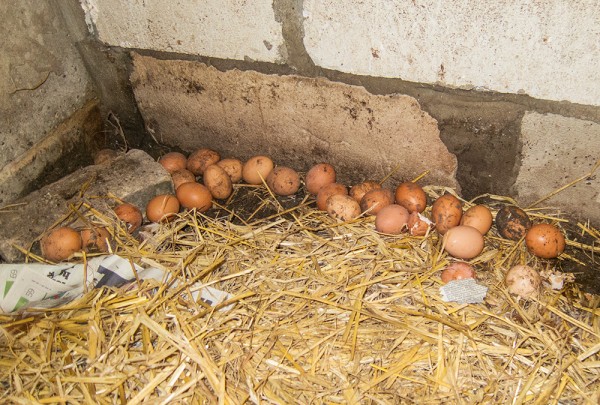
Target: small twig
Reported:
[(37, 86), (117, 126)]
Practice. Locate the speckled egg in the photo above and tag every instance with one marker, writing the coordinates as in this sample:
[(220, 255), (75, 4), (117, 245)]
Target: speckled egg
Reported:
[(318, 176), (374, 200), (512, 222), (173, 161), (283, 181), (256, 169), (327, 191), (60, 243), (359, 190), (130, 214), (446, 212), (233, 167), (95, 239), (545, 241), (411, 196), (343, 207), (217, 181), (182, 176), (200, 159)]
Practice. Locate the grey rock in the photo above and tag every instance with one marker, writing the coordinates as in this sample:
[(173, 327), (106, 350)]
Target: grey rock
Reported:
[(134, 177)]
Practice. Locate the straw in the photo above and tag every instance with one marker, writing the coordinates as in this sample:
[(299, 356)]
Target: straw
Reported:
[(322, 312)]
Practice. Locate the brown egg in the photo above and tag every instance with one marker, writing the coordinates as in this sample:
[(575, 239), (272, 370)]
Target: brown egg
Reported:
[(523, 281), (545, 240), (173, 161), (256, 169), (411, 196), (418, 224), (217, 181), (283, 181), (359, 190), (512, 222), (457, 271), (342, 207), (182, 176), (130, 214), (319, 175), (463, 242), (60, 243), (105, 156), (374, 200), (200, 159), (479, 217), (163, 207), (195, 195), (392, 219), (446, 212), (327, 191), (95, 239), (233, 167)]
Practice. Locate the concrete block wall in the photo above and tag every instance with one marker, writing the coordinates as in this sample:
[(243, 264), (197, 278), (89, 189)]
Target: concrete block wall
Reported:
[(513, 87)]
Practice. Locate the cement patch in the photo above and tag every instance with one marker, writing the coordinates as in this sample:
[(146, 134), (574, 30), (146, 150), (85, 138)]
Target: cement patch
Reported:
[(134, 177), (557, 150), (298, 121)]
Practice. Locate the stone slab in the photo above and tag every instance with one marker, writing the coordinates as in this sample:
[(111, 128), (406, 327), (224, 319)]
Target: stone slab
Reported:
[(546, 49), (297, 121), (223, 29), (134, 177), (557, 150)]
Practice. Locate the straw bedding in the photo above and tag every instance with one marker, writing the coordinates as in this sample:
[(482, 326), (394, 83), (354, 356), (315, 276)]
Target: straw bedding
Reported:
[(323, 312)]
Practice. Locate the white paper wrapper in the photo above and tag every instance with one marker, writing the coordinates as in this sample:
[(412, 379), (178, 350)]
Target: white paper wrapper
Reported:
[(34, 285), (465, 291)]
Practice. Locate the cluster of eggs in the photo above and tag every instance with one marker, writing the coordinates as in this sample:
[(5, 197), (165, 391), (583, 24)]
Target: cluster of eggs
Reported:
[(62, 242), (396, 211), (218, 176)]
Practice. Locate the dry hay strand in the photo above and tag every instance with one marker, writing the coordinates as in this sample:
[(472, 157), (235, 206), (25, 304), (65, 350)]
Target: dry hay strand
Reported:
[(322, 312)]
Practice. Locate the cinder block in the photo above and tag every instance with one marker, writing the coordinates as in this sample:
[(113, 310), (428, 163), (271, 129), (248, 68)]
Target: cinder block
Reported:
[(546, 49), (134, 177), (297, 121), (216, 28)]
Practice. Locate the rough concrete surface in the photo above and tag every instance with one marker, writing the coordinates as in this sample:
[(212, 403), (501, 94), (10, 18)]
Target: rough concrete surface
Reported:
[(557, 150), (298, 121), (48, 114), (236, 29), (134, 177), (109, 70), (42, 79), (63, 150), (547, 49)]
